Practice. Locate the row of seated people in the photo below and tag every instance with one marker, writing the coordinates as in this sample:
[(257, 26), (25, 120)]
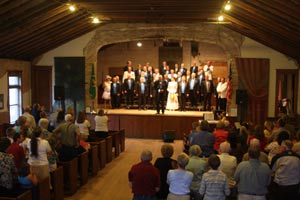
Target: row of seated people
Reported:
[(38, 149), (219, 174)]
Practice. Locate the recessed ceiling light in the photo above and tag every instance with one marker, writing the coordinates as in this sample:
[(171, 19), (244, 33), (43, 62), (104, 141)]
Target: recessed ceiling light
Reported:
[(72, 8), (95, 20), (139, 44), (227, 6), (220, 18)]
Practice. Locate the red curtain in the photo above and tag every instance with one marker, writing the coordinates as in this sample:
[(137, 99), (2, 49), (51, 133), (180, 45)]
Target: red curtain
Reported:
[(254, 75)]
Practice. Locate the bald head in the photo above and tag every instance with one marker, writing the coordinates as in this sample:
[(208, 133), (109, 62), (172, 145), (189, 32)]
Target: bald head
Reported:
[(255, 143), (225, 147)]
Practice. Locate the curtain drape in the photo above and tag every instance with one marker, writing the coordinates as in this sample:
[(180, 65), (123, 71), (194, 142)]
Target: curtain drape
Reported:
[(254, 75)]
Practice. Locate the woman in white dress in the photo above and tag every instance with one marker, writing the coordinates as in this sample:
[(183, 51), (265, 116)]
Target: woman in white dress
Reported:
[(172, 102), (106, 93)]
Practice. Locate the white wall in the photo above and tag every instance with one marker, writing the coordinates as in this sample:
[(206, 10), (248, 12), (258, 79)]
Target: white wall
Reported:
[(253, 49)]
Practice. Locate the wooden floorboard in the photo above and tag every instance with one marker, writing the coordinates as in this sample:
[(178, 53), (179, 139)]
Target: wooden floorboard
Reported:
[(111, 183)]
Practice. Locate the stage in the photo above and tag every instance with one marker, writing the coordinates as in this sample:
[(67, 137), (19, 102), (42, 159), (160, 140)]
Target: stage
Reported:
[(148, 124)]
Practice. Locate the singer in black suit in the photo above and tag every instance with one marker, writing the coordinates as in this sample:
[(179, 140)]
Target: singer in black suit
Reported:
[(207, 89), (128, 90), (142, 93), (160, 87), (115, 93), (183, 93)]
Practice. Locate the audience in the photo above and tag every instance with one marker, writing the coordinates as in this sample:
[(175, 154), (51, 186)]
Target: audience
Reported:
[(214, 184), (263, 157), (253, 177), (286, 166), (204, 139), (296, 146), (179, 180), (17, 151), (144, 179), (84, 125), (101, 124), (228, 162), (38, 151), (26, 178), (197, 166), (164, 164), (220, 135)]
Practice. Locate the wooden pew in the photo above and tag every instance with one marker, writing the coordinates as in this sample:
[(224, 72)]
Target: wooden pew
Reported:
[(83, 166), (94, 159), (122, 139), (57, 182), (27, 195), (44, 189), (108, 141), (102, 153), (115, 142), (70, 171)]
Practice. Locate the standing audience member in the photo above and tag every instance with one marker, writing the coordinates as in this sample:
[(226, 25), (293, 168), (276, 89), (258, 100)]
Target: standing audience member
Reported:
[(228, 162), (220, 135), (263, 157), (214, 183), (268, 128), (29, 117), (296, 146), (7, 168), (179, 180), (144, 179), (38, 151), (43, 122), (164, 164), (10, 132), (36, 112), (69, 136), (286, 166), (101, 124), (280, 126), (84, 125), (26, 178), (197, 166), (205, 139), (253, 177), (17, 151)]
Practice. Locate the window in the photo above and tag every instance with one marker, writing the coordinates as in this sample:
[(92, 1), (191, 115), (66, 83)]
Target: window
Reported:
[(14, 95)]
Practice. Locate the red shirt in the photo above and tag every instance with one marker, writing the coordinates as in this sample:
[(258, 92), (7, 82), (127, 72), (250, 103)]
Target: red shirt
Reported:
[(220, 136), (144, 178), (18, 152)]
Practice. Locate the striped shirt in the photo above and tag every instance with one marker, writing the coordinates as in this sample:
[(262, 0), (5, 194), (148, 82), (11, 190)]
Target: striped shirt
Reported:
[(214, 185)]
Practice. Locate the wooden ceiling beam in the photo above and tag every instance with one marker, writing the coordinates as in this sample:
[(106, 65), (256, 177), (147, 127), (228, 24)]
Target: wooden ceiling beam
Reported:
[(39, 37), (37, 25), (288, 6), (273, 8), (13, 6), (268, 40), (263, 23)]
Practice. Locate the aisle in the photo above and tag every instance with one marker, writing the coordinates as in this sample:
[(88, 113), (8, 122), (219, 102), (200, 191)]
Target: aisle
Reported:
[(111, 183)]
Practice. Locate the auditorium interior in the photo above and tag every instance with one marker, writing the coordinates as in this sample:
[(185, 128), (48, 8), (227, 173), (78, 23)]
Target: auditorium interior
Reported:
[(59, 53)]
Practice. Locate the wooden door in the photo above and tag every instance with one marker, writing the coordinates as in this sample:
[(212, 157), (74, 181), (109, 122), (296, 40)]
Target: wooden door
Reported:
[(41, 85)]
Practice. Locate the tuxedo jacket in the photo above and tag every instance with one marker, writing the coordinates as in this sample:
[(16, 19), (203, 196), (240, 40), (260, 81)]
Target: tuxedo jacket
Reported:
[(204, 90), (126, 86), (195, 84), (118, 88), (179, 88), (160, 87), (138, 88)]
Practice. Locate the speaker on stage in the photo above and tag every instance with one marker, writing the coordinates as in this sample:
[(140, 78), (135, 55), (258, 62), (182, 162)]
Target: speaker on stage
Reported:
[(241, 97), (168, 136), (59, 92)]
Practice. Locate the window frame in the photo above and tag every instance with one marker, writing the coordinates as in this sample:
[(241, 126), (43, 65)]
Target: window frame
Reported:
[(19, 86)]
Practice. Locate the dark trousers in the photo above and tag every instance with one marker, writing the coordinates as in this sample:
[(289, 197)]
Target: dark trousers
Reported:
[(207, 102), (193, 98), (115, 101), (129, 97), (143, 197), (182, 102), (218, 102), (290, 192), (67, 153), (142, 100), (160, 103), (223, 102)]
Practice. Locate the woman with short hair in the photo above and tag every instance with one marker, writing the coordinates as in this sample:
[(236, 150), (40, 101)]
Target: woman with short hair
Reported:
[(101, 124)]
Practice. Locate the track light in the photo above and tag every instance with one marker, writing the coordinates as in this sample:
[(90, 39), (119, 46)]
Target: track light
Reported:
[(72, 8), (220, 18), (95, 20)]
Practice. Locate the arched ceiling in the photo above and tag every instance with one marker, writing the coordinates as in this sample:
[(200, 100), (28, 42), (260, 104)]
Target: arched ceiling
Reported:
[(29, 28)]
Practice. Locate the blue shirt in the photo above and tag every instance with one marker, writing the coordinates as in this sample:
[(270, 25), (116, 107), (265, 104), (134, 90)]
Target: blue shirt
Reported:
[(179, 181), (142, 88), (253, 177)]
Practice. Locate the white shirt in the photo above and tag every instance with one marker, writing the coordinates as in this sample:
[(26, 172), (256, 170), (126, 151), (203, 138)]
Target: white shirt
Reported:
[(30, 119), (208, 70), (84, 127), (125, 75), (43, 149), (101, 123), (228, 165), (221, 89)]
